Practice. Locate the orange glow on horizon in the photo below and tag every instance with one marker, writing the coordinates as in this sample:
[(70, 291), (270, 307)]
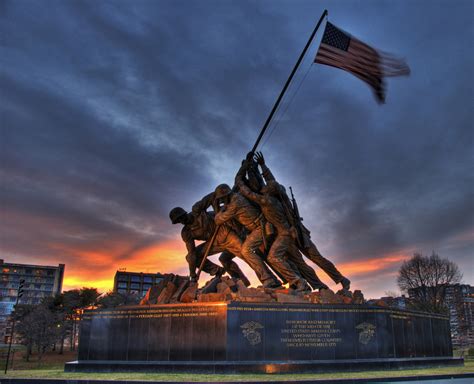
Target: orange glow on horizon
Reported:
[(97, 269), (365, 266), (76, 282)]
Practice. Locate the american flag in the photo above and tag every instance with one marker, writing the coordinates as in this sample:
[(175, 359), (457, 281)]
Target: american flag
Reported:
[(341, 50)]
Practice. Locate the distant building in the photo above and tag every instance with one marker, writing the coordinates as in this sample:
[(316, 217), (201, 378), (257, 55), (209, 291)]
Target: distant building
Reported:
[(135, 282), (40, 281), (396, 302), (389, 301), (459, 299)]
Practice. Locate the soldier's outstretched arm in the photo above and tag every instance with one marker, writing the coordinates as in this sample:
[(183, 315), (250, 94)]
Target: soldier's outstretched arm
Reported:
[(225, 214), (243, 189), (249, 194), (203, 204), (267, 174), (241, 172)]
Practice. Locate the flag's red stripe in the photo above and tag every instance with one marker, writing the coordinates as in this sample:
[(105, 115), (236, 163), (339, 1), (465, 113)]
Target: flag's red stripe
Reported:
[(352, 63), (372, 79), (351, 57), (360, 46), (393, 67)]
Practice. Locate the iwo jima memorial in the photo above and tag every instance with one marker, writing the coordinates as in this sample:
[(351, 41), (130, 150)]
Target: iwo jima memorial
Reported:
[(292, 322)]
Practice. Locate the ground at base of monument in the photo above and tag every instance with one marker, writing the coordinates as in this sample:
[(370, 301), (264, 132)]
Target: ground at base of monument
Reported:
[(272, 367), (55, 373), (434, 379)]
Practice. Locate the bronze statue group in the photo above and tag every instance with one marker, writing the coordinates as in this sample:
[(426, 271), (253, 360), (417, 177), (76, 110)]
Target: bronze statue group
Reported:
[(257, 222)]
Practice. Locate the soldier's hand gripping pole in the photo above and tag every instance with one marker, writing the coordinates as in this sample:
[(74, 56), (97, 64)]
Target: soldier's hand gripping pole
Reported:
[(206, 253)]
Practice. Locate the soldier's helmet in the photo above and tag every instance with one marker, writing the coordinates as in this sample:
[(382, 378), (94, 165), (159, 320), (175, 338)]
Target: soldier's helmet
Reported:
[(176, 213), (222, 190)]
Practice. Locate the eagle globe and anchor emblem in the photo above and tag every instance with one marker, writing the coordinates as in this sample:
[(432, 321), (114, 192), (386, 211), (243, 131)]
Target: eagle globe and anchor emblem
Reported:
[(251, 333), (366, 332)]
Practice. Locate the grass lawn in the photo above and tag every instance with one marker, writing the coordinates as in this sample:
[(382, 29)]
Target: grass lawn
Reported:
[(52, 366)]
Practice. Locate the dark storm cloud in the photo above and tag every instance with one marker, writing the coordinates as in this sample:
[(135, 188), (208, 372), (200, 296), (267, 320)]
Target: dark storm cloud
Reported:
[(114, 112), (399, 175), (104, 122)]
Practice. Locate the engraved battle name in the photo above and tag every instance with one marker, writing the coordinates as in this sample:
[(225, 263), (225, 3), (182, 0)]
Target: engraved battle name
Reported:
[(157, 313)]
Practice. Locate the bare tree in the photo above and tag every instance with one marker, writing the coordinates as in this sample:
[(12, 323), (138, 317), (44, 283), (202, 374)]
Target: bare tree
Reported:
[(115, 299), (39, 327), (426, 277), (23, 326)]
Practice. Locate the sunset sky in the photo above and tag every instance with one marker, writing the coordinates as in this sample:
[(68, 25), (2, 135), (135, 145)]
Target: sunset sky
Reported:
[(114, 112)]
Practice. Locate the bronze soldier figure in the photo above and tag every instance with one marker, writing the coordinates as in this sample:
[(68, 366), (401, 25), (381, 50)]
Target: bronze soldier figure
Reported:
[(255, 182), (249, 216), (307, 247), (273, 212), (295, 259), (199, 225)]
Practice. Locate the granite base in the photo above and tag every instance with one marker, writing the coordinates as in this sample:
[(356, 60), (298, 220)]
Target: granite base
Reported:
[(260, 337)]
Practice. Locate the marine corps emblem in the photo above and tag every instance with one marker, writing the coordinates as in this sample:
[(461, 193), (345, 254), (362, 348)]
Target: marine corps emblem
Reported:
[(366, 332), (249, 330)]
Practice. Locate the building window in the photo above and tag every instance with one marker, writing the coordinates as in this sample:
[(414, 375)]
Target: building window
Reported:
[(146, 286), (121, 290), (135, 278), (122, 284), (147, 279), (135, 286)]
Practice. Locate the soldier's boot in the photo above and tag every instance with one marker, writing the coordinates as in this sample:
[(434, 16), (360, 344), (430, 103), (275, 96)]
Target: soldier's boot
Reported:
[(217, 273), (271, 283), (244, 279), (301, 286), (316, 285), (346, 283), (231, 267), (322, 286), (235, 272), (266, 277)]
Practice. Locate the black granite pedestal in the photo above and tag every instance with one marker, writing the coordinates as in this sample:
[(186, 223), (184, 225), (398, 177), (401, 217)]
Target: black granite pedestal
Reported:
[(260, 337)]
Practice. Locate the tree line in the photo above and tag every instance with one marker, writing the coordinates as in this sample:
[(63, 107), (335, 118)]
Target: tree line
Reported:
[(54, 322), (425, 279)]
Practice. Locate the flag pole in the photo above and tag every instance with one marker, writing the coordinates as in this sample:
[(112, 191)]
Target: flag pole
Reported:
[(288, 81)]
